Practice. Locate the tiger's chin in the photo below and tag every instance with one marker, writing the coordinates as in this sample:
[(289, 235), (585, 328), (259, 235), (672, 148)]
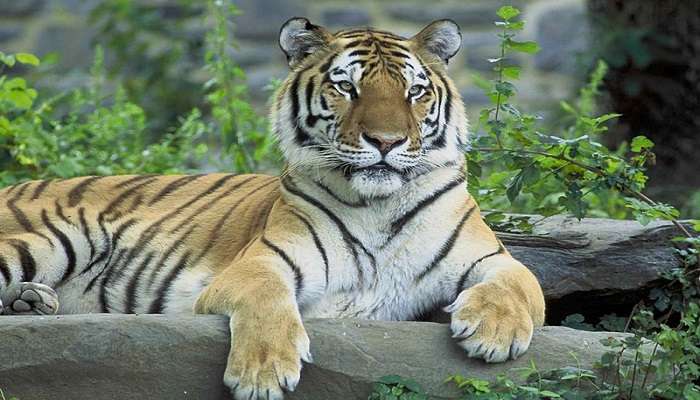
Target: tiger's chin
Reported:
[(376, 183)]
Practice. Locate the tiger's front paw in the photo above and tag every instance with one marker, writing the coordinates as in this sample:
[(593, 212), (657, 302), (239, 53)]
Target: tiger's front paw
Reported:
[(266, 354), (491, 322)]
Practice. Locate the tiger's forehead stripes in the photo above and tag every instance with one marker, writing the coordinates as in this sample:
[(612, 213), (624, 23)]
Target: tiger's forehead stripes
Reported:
[(371, 49)]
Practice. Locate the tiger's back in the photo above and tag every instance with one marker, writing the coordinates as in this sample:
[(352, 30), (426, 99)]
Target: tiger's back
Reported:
[(129, 244)]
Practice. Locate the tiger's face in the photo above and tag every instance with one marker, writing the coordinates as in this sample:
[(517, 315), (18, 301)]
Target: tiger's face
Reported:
[(369, 107)]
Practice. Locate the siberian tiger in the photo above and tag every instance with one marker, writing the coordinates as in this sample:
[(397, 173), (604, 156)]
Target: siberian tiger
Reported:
[(371, 219)]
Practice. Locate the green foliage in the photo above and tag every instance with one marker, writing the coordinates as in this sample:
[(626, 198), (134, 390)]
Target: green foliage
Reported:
[(153, 55), (98, 135), (524, 169), (242, 135), (2, 396), (393, 387), (99, 129)]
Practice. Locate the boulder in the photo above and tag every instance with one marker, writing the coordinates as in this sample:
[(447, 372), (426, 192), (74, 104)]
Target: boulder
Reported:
[(156, 357), (596, 262)]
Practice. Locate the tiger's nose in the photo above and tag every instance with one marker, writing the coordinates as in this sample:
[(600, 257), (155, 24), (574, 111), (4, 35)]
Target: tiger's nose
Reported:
[(384, 143)]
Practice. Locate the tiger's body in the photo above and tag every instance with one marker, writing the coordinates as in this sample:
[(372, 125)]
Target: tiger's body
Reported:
[(371, 219)]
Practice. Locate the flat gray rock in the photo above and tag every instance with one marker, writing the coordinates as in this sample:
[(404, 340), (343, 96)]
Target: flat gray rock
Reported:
[(156, 357)]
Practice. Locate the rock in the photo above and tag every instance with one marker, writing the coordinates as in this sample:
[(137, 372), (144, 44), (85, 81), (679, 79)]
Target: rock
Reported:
[(23, 8), (8, 33), (154, 357), (251, 54), (262, 19), (563, 33), (603, 263), (345, 17), (72, 43), (259, 80), (467, 15)]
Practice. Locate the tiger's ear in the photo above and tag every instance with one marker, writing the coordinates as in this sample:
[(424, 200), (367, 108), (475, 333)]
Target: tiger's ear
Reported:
[(442, 38), (299, 38)]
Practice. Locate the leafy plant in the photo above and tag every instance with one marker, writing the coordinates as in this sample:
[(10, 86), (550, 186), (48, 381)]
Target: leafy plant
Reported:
[(100, 134), (394, 387)]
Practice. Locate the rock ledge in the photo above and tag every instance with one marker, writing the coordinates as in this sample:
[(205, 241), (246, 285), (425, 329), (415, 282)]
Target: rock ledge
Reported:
[(183, 357)]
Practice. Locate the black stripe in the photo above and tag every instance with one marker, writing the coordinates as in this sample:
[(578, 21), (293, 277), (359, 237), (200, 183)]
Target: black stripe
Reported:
[(150, 233), (23, 220), (130, 295), (86, 232), (135, 179), (211, 240), (65, 242), (302, 137), (440, 141), (172, 186), (398, 225), (210, 204), (360, 204), (109, 253), (447, 246), (22, 188), (40, 189), (317, 242), (26, 259), (324, 68), (169, 252), (298, 276), (76, 194), (465, 275), (359, 53), (157, 305), (350, 240), (399, 54), (387, 44), (112, 207), (61, 214), (103, 286), (108, 242), (5, 271)]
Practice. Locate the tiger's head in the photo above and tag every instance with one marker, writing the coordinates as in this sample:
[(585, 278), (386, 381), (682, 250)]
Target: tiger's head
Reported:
[(369, 107)]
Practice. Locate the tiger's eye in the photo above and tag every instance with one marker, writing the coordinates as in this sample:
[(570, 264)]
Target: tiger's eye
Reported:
[(346, 86), (415, 90)]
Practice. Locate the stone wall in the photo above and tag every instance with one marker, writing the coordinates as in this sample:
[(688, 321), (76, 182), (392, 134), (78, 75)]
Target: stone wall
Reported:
[(43, 26)]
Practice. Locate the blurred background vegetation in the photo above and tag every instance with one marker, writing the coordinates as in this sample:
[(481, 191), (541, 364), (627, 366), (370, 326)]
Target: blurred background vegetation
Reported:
[(128, 86)]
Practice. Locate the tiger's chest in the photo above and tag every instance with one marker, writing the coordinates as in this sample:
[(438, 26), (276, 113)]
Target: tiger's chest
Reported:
[(386, 280)]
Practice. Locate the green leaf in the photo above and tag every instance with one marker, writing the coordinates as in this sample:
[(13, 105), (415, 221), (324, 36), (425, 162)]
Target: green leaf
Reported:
[(27, 58), (550, 394), (523, 47), (640, 143), (7, 59), (511, 72), (507, 12), (514, 187)]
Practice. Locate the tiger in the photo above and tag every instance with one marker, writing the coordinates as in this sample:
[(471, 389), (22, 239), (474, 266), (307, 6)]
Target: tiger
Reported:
[(370, 219)]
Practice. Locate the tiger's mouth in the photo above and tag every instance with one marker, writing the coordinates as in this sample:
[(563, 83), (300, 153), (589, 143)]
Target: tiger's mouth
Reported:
[(379, 166)]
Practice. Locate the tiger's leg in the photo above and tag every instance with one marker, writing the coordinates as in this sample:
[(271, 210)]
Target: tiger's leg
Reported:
[(268, 340), (494, 319), (262, 292)]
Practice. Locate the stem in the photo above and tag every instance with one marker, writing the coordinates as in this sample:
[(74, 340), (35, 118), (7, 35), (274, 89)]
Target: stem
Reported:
[(634, 372), (646, 373), (500, 80)]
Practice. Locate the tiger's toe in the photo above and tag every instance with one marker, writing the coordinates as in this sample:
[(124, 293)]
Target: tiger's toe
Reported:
[(28, 298)]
